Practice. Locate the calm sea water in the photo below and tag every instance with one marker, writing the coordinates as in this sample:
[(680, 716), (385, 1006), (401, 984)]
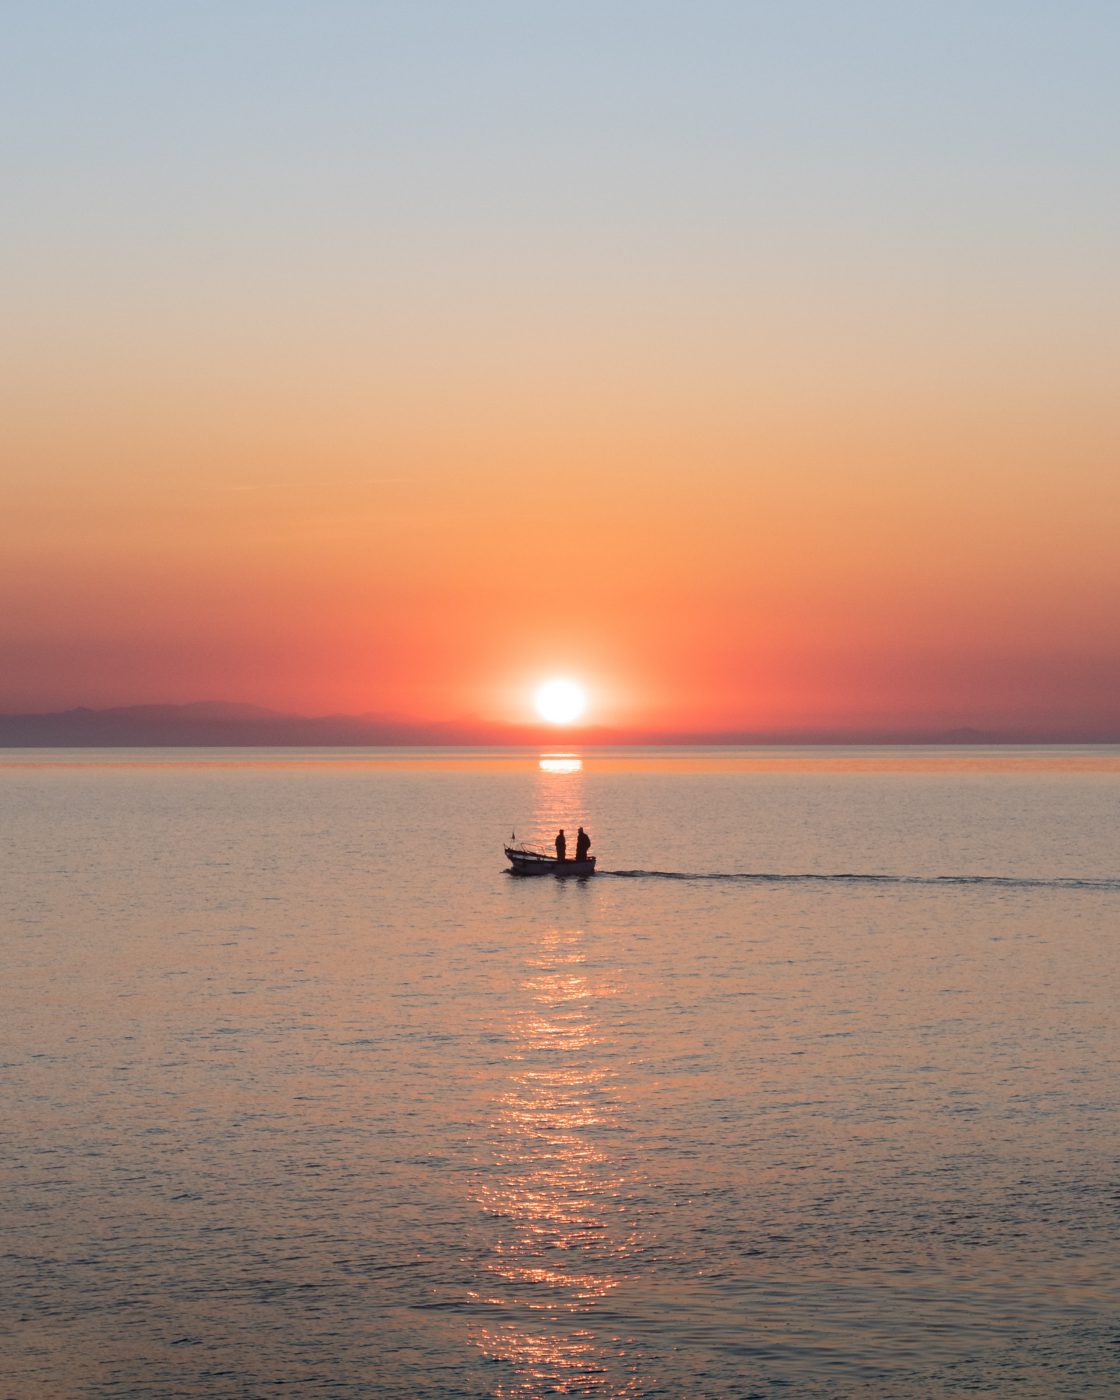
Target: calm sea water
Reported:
[(816, 1096)]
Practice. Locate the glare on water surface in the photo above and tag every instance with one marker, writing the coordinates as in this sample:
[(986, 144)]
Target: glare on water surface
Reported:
[(556, 1191)]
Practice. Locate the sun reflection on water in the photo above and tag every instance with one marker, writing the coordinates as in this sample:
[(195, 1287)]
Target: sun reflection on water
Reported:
[(558, 800), (558, 1193), (560, 763)]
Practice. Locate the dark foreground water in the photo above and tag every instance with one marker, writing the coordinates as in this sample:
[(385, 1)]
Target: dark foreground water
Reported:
[(816, 1095)]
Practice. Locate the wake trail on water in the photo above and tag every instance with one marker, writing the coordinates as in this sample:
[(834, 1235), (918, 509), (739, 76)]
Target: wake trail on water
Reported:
[(762, 878)]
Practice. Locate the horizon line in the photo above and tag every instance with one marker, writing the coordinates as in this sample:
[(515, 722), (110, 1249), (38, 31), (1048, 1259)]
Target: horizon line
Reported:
[(245, 724)]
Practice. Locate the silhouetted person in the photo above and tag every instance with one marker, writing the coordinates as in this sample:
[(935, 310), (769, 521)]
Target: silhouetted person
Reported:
[(583, 844), (561, 845)]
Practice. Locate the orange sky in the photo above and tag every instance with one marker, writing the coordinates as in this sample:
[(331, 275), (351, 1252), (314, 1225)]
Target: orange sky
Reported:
[(738, 453)]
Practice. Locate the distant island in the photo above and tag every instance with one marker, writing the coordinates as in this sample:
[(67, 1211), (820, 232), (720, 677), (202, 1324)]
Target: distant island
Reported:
[(216, 724)]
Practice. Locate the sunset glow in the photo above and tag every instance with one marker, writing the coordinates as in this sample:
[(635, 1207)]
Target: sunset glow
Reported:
[(794, 413)]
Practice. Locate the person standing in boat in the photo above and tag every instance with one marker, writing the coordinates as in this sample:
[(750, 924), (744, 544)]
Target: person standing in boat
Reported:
[(583, 844), (561, 845)]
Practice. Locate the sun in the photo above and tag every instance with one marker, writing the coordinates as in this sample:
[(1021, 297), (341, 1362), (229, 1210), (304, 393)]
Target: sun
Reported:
[(560, 701)]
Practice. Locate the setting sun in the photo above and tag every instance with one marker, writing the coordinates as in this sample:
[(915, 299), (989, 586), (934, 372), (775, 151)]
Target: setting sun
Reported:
[(560, 701)]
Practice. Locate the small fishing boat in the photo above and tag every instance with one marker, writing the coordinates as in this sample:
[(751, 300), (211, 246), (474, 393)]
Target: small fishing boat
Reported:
[(526, 862)]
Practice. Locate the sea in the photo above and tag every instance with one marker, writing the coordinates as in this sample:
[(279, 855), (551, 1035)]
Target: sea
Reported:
[(812, 1090)]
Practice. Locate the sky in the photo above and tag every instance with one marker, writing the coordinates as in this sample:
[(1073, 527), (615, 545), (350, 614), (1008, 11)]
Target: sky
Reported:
[(755, 364)]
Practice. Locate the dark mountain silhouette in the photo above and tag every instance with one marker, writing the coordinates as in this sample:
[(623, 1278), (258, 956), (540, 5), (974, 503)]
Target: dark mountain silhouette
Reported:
[(216, 724), (206, 724)]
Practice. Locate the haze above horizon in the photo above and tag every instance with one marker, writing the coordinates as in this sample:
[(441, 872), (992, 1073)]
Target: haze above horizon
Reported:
[(209, 724)]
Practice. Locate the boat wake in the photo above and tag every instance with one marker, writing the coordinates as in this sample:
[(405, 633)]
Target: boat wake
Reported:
[(760, 878)]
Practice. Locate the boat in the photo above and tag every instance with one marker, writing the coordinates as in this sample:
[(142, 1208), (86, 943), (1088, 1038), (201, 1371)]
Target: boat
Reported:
[(526, 862)]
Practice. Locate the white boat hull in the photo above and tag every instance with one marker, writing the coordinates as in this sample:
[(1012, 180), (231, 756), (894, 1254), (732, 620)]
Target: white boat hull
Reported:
[(536, 863)]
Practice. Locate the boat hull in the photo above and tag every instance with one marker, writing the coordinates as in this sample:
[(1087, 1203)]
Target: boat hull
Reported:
[(534, 863)]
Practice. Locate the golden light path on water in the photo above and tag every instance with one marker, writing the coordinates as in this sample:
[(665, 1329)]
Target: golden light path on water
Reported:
[(562, 1198)]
